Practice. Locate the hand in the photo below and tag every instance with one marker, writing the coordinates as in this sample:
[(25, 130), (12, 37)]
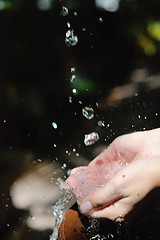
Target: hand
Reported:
[(131, 147), (117, 199), (128, 148)]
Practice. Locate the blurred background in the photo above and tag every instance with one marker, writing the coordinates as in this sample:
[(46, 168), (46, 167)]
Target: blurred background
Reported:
[(113, 68)]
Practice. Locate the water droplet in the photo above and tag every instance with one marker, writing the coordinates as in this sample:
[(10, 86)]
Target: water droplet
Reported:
[(54, 145), (64, 166), (67, 152), (75, 14), (80, 102), (54, 125), (73, 69), (74, 90), (60, 183), (139, 116), (91, 138), (52, 179), (71, 39), (74, 150), (101, 123), (39, 160), (64, 11), (88, 112), (73, 78), (110, 236), (68, 25), (69, 172), (70, 99), (4, 120), (83, 29), (97, 104), (100, 20)]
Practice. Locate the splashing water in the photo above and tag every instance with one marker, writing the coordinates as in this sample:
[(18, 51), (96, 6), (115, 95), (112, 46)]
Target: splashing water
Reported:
[(98, 237), (59, 209), (89, 179), (91, 138), (88, 112), (73, 78), (62, 205), (64, 11), (93, 229), (71, 39), (54, 125), (73, 69)]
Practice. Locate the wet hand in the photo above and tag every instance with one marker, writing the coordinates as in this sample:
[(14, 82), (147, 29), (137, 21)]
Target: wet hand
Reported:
[(120, 195), (127, 186), (131, 147)]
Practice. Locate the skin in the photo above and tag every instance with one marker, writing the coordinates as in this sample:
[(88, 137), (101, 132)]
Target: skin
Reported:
[(118, 198)]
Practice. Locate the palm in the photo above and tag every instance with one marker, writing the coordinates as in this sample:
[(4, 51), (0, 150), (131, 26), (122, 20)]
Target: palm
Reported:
[(130, 147)]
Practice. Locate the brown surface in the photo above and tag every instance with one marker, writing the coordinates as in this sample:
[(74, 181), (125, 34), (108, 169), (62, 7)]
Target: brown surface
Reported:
[(71, 227)]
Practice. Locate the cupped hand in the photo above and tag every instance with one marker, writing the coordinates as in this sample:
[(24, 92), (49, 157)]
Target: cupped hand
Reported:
[(121, 194), (128, 184), (131, 147)]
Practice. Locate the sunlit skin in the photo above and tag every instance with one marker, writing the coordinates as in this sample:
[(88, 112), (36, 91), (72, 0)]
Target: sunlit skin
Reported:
[(129, 185)]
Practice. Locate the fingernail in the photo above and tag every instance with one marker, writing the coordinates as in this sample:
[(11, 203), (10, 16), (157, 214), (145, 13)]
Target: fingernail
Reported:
[(86, 207)]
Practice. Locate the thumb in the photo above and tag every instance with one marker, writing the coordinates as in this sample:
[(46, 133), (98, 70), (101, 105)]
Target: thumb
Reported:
[(102, 198)]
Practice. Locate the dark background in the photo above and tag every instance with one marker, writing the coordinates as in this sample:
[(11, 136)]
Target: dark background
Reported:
[(35, 82)]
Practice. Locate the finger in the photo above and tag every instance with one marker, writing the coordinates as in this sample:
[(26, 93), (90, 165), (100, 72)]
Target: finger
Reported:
[(74, 170), (110, 193), (115, 212), (72, 183)]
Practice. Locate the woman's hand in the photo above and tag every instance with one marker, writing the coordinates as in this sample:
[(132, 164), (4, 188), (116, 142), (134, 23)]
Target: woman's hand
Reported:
[(140, 154), (120, 195), (131, 147)]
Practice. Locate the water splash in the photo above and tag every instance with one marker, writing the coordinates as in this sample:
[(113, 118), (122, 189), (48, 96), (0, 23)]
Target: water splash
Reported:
[(91, 138), (88, 112), (71, 39), (73, 69), (64, 11), (93, 229), (73, 78), (93, 178), (54, 125), (59, 210)]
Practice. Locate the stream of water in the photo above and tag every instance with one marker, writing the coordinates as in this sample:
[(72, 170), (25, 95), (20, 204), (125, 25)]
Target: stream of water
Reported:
[(59, 209)]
